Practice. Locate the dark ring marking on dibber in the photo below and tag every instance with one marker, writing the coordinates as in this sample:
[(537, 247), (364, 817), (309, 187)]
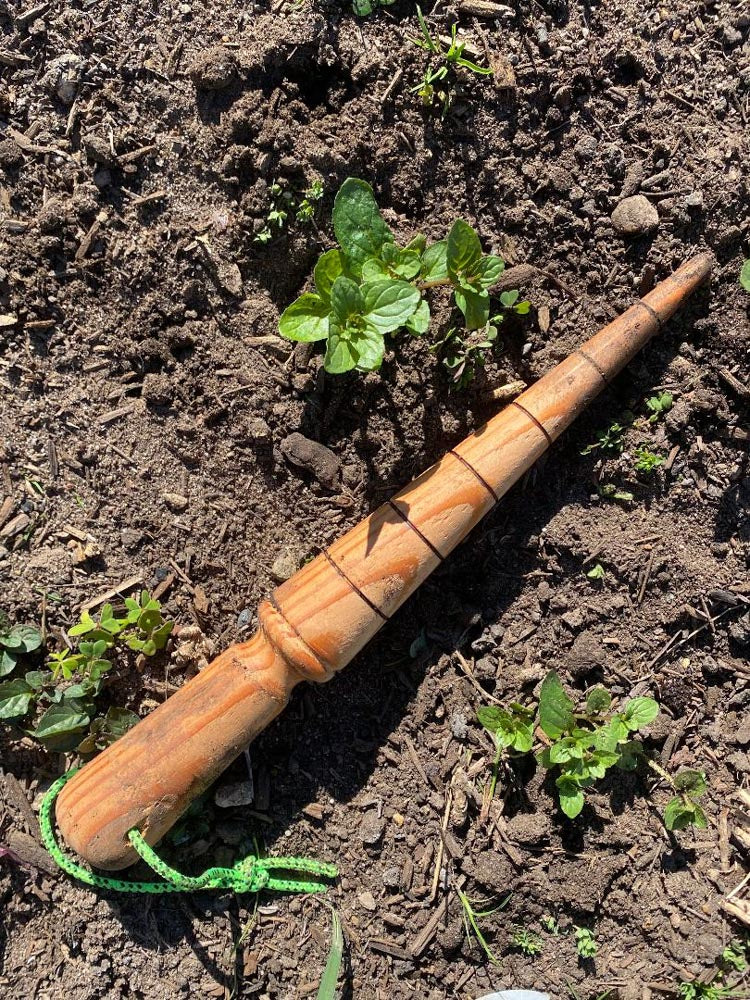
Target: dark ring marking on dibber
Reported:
[(428, 543), (534, 419), (471, 469), (275, 605), (651, 311), (593, 364), (354, 587)]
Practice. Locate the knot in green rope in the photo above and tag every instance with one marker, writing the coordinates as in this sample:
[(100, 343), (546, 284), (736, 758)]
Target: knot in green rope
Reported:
[(250, 874)]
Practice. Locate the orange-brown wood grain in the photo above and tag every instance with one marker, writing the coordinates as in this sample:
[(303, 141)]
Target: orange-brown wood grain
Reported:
[(317, 621)]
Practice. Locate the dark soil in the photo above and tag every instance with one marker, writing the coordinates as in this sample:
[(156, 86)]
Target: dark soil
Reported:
[(143, 404)]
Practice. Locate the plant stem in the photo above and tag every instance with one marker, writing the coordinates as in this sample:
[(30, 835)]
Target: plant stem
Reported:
[(660, 771), (424, 285), (495, 767)]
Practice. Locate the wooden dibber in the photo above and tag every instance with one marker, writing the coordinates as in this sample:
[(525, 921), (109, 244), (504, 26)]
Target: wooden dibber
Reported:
[(317, 621)]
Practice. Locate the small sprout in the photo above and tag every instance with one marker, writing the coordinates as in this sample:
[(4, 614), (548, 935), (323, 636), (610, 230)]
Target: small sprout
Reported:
[(311, 196), (745, 276), (551, 925), (734, 956), (659, 405), (611, 440), (471, 922), (586, 945), (647, 461), (684, 810), (695, 990), (448, 59), (512, 729), (527, 942), (363, 8), (596, 572), (609, 491)]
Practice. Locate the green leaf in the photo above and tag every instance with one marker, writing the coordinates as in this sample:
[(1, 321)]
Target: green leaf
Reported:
[(67, 717), (84, 626), (678, 814), (369, 346), (375, 270), (30, 637), (305, 320), (329, 267), (745, 276), (8, 660), (700, 820), (327, 988), (435, 262), (522, 308), (598, 701), (149, 620), (160, 635), (407, 264), (475, 306), (339, 356), (555, 707), (13, 641), (417, 243), (389, 304), (419, 321), (507, 299), (691, 782), (37, 678), (640, 712), (347, 301), (15, 698), (571, 796), (357, 222), (489, 270), (463, 249), (492, 717)]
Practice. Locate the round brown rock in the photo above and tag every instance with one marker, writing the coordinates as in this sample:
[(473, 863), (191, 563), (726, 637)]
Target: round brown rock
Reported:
[(635, 216)]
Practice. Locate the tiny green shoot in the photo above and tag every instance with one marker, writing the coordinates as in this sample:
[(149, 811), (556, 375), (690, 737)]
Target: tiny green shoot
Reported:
[(448, 61), (527, 941), (610, 491), (659, 405), (745, 276), (586, 945), (511, 728), (596, 572), (472, 917), (327, 988), (646, 462), (550, 924), (734, 956), (610, 441), (684, 809)]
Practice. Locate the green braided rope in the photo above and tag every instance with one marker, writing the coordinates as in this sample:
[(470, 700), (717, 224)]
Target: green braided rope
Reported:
[(251, 874)]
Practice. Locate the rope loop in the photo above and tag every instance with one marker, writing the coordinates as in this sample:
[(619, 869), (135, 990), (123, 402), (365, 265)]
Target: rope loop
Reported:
[(250, 874)]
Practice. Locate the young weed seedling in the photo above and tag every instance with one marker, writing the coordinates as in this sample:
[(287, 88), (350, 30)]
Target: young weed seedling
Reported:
[(370, 287), (745, 276), (611, 441), (596, 572), (283, 203), (696, 990), (448, 61), (610, 491), (586, 945), (586, 745), (646, 462), (658, 406), (527, 942), (551, 925), (363, 8), (471, 922), (734, 956)]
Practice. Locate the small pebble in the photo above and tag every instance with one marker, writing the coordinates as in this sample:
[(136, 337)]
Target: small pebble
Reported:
[(635, 216)]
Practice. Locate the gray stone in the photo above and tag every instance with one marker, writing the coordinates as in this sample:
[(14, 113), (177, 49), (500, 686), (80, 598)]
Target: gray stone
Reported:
[(239, 793), (371, 829), (284, 565), (635, 216), (585, 148), (458, 726)]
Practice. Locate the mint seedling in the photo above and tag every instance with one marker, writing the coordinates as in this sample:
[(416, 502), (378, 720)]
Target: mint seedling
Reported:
[(684, 810), (512, 729), (15, 642), (369, 287), (586, 745), (659, 405)]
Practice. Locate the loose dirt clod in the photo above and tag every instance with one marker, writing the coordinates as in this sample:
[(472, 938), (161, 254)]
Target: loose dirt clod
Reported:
[(635, 216)]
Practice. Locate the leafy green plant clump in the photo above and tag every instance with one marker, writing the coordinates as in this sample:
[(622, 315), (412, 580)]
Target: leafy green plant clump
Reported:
[(658, 406), (370, 287), (646, 462), (527, 941), (586, 745), (684, 809), (586, 945), (68, 718)]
